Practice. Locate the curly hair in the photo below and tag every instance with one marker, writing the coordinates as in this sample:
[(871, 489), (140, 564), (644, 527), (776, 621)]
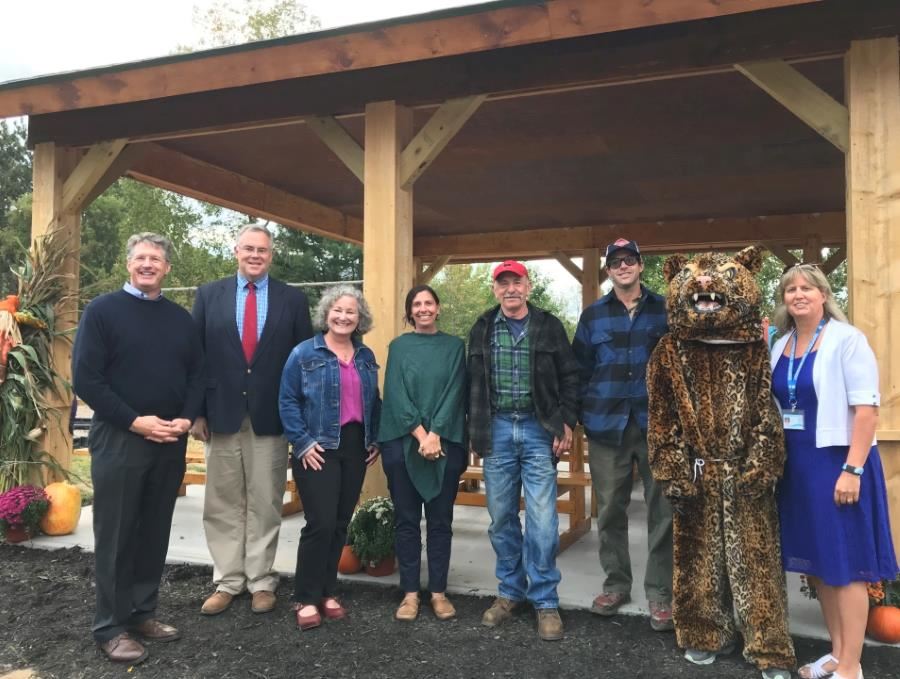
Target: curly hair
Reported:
[(328, 300)]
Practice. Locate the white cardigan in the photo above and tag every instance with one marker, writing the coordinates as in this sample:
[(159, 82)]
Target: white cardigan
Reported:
[(845, 374)]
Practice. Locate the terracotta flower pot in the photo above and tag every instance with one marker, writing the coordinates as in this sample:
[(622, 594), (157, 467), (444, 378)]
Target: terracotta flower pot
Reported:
[(349, 563), (16, 534), (884, 624), (382, 568)]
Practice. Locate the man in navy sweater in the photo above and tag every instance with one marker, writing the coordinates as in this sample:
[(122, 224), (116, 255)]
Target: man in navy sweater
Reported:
[(249, 323), (138, 363)]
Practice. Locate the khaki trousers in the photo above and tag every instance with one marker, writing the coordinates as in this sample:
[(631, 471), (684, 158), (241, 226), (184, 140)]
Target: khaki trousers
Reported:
[(245, 477)]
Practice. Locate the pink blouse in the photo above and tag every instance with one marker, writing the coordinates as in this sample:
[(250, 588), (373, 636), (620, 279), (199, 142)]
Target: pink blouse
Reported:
[(351, 394)]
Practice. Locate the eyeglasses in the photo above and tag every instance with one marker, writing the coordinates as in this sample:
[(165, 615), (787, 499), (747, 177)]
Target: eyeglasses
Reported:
[(628, 260), (801, 266), (249, 250)]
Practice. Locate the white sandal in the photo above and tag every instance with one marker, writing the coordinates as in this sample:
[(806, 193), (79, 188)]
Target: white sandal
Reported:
[(816, 670)]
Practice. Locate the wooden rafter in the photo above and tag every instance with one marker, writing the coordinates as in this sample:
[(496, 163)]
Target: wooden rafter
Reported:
[(835, 260), (434, 136), (89, 171), (188, 176), (782, 253), (664, 237), (803, 98), (425, 277), (569, 265), (344, 146)]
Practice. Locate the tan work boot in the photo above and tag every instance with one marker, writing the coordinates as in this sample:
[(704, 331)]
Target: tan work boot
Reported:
[(217, 603), (262, 601), (443, 609), (550, 627), (409, 608), (499, 612)]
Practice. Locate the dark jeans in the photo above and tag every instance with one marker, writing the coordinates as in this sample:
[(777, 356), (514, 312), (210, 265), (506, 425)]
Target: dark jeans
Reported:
[(329, 496), (408, 516), (135, 486)]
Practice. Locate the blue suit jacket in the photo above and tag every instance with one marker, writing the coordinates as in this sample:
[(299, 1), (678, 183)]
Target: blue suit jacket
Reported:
[(235, 389)]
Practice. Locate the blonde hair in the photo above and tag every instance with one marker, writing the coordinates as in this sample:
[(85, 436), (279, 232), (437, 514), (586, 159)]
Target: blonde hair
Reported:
[(781, 319)]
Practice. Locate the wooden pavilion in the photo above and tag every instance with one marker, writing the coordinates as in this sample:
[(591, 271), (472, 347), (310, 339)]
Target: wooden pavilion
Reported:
[(526, 128)]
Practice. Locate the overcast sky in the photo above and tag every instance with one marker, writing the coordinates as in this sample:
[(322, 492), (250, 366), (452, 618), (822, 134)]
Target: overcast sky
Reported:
[(38, 37)]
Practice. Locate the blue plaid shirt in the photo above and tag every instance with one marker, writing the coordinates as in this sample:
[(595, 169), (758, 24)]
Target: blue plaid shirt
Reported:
[(262, 304), (612, 350)]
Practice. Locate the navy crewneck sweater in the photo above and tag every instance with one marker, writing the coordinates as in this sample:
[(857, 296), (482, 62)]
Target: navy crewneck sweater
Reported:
[(136, 357)]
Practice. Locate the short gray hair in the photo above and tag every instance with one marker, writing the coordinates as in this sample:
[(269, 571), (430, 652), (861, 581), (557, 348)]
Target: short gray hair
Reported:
[(253, 227), (813, 274), (153, 239), (328, 300)]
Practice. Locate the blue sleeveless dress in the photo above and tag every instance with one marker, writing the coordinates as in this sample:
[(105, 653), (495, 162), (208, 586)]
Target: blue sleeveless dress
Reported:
[(838, 543)]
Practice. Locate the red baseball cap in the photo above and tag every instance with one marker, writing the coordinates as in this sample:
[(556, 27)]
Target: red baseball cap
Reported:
[(510, 266)]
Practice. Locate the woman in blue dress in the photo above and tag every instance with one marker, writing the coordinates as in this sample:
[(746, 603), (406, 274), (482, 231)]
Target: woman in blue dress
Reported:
[(832, 501)]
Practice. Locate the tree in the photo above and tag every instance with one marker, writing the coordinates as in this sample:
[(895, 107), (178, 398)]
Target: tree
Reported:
[(15, 182), (234, 22)]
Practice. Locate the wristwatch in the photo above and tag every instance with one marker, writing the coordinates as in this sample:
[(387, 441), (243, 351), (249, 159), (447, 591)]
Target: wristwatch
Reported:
[(850, 469)]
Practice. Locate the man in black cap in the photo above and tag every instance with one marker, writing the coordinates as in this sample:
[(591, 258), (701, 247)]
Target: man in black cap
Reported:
[(613, 342)]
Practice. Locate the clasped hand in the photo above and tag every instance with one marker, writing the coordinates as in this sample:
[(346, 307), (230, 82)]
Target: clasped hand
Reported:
[(158, 430), (430, 446)]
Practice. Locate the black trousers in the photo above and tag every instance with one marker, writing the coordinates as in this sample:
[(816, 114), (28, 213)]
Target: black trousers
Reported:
[(135, 486), (329, 496), (408, 516)]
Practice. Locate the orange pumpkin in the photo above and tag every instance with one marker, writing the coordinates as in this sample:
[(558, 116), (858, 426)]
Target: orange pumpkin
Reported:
[(65, 509), (349, 562), (10, 304), (884, 624)]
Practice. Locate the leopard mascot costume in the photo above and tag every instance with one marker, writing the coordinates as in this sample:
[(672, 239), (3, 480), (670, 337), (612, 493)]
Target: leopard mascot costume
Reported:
[(716, 445)]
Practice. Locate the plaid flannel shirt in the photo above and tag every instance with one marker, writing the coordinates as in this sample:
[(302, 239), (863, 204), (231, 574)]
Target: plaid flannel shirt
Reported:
[(510, 368)]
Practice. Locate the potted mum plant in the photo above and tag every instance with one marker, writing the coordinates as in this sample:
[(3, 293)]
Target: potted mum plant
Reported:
[(21, 511), (371, 535), (884, 613)]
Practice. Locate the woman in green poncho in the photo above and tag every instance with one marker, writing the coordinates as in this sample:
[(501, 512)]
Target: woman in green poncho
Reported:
[(422, 430)]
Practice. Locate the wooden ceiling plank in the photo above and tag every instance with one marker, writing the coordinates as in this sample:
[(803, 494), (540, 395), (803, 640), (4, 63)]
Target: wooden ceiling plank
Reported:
[(569, 265), (188, 176), (434, 136), (803, 98), (343, 145), (655, 237), (89, 171)]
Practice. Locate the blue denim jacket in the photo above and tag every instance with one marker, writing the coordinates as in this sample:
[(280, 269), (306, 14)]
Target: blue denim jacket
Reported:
[(310, 396)]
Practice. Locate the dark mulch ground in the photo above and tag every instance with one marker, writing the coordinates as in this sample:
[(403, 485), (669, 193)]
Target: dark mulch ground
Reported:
[(46, 601)]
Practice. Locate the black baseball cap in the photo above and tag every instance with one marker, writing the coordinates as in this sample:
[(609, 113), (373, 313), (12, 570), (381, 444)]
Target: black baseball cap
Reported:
[(623, 244)]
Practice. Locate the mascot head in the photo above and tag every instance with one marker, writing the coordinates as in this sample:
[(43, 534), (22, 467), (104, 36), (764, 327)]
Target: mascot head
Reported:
[(714, 296)]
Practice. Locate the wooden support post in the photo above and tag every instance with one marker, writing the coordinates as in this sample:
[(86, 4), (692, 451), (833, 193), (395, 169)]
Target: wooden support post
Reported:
[(387, 238), (566, 263), (425, 277), (872, 84), (782, 253), (834, 261), (336, 137), (590, 277), (52, 166), (88, 173), (812, 249), (802, 97)]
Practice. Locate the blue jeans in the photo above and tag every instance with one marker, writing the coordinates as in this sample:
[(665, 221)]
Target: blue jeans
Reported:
[(522, 457)]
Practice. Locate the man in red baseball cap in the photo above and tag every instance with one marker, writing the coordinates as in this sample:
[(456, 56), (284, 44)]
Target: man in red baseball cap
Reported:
[(523, 394)]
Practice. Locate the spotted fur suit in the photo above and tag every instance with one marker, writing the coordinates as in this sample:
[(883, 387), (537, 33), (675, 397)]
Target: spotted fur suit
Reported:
[(717, 447)]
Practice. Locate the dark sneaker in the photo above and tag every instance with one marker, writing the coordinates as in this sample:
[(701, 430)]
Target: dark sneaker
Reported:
[(550, 627), (499, 612), (609, 603), (661, 617)]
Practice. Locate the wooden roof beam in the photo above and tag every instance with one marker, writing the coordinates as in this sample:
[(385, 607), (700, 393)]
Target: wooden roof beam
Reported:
[(434, 136), (570, 266), (89, 171), (343, 145), (188, 176), (803, 98), (655, 237), (425, 277)]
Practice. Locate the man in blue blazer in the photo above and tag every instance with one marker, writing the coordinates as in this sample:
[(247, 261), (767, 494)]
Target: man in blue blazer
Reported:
[(249, 323)]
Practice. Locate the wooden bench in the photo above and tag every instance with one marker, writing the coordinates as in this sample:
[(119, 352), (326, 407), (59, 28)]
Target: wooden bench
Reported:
[(571, 480)]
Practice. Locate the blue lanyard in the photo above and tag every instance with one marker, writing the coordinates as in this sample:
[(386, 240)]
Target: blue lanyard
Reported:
[(791, 375)]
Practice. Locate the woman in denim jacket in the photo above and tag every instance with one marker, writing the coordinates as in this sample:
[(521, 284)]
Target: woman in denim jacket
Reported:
[(329, 407)]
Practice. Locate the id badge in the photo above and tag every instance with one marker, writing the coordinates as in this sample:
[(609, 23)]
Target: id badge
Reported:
[(793, 420)]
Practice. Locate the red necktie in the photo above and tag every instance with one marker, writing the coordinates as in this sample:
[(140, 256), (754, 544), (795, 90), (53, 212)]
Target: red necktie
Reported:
[(248, 338)]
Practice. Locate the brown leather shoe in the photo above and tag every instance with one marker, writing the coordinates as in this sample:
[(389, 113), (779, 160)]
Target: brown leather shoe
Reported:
[(408, 609), (443, 609), (550, 627), (154, 630), (263, 601), (499, 612), (124, 649), (217, 603)]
